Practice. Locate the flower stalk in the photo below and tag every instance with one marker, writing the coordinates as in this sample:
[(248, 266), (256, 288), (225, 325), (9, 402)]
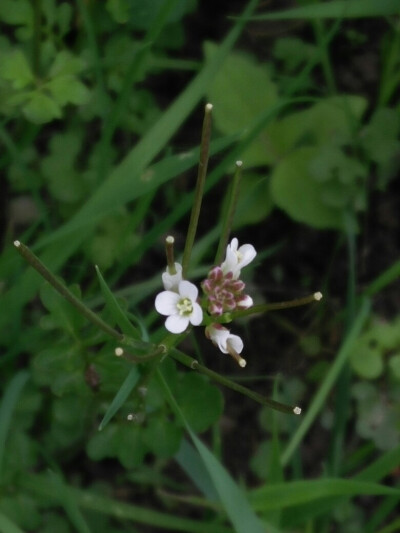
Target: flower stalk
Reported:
[(230, 212), (195, 365), (35, 262), (198, 195)]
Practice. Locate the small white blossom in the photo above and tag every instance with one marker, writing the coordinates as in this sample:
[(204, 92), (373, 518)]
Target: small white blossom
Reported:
[(226, 342), (171, 281), (245, 302), (237, 258), (180, 307)]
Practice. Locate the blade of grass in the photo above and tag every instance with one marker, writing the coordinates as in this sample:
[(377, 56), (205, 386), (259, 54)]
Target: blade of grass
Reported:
[(119, 316), (190, 461), (342, 396), (373, 473), (122, 395), (7, 526), (328, 382), (231, 496), (10, 398), (281, 495), (42, 486), (69, 503), (336, 9)]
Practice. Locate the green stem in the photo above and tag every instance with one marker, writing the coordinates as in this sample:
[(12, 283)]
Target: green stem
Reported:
[(277, 306), (198, 195), (36, 40), (195, 365), (323, 44), (35, 262), (229, 214), (342, 398)]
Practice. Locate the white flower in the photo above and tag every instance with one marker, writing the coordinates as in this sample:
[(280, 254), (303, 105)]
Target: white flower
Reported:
[(236, 258), (226, 342), (171, 281), (244, 302), (180, 307)]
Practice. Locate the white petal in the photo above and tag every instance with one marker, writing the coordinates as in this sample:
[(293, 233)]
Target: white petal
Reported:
[(248, 253), (176, 323), (234, 244), (246, 302), (166, 302), (171, 281), (197, 315), (188, 290), (236, 342)]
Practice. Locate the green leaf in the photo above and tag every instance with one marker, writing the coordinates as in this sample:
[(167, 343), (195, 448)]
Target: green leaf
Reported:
[(119, 10), (122, 395), (15, 68), (115, 309), (380, 138), (240, 92), (66, 64), (201, 402), (61, 368), (296, 192), (394, 365), (8, 526), (41, 108), (337, 9), (68, 89), (281, 495), (65, 183), (366, 358), (10, 398), (130, 447), (254, 202), (64, 315), (162, 437)]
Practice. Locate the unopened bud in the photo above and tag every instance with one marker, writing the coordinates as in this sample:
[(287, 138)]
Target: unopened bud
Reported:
[(317, 296), (297, 410), (119, 351)]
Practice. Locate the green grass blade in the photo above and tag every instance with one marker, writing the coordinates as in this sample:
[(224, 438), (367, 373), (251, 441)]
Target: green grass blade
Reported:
[(7, 407), (40, 485), (122, 395), (337, 9), (230, 495), (380, 468), (190, 461), (319, 399), (117, 313), (7, 526), (70, 504), (278, 496)]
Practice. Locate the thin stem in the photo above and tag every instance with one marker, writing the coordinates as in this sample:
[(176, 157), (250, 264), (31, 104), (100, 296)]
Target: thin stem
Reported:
[(198, 195), (195, 365), (264, 308), (169, 252), (120, 352), (36, 39), (230, 211), (35, 262)]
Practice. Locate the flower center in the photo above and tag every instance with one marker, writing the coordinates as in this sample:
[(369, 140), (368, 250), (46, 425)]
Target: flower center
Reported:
[(185, 307)]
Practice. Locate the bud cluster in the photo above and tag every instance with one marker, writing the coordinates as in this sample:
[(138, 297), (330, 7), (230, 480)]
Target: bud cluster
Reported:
[(224, 293)]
